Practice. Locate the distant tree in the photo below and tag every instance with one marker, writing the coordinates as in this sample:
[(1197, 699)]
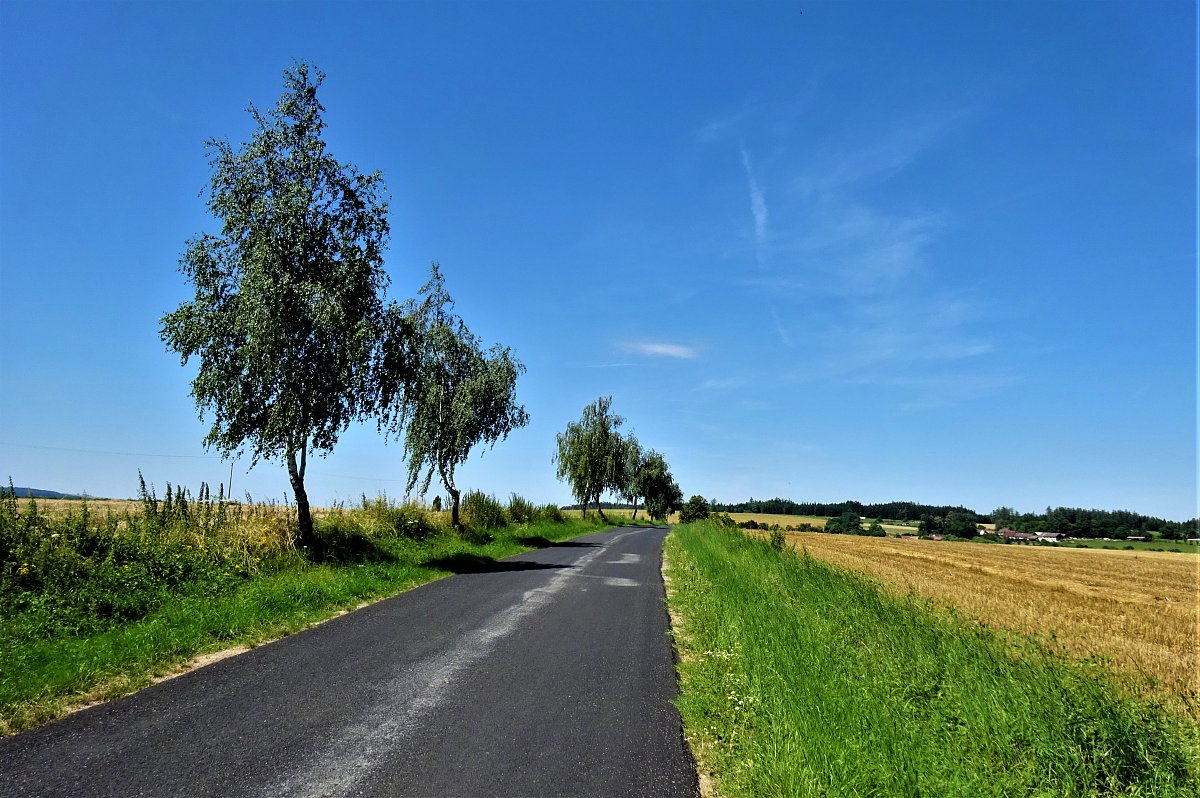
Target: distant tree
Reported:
[(1003, 516), (653, 482), (960, 525), (663, 498), (287, 317), (848, 523), (459, 397), (629, 465), (876, 530), (591, 453), (696, 509)]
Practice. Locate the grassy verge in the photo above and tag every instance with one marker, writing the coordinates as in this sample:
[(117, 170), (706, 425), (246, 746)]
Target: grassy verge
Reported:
[(97, 608), (800, 679)]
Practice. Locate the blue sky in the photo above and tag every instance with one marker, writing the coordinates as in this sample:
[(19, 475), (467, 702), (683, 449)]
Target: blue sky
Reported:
[(941, 252)]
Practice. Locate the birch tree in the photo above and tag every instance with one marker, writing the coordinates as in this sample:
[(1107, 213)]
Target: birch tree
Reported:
[(458, 396), (287, 318)]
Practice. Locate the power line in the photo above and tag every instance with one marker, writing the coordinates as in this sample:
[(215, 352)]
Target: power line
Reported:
[(104, 451), (178, 456)]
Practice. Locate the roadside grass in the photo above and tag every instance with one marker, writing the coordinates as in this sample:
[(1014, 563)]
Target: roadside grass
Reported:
[(801, 679), (94, 608), (1134, 611)]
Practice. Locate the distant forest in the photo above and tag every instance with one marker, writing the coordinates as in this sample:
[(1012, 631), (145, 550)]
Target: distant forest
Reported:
[(1073, 522), (892, 511)]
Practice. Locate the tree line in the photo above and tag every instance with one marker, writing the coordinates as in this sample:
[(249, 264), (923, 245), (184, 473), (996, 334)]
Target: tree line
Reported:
[(1077, 522), (896, 511), (296, 337), (293, 330), (963, 522), (594, 458)]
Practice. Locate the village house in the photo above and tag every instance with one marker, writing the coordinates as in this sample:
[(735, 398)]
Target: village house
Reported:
[(1016, 537)]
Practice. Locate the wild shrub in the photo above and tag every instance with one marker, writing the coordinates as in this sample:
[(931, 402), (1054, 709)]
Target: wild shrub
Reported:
[(480, 512), (382, 516), (80, 574), (777, 539), (520, 510), (551, 512)]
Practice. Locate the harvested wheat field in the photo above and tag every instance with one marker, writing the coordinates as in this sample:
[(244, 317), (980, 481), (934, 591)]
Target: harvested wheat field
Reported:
[(1136, 611)]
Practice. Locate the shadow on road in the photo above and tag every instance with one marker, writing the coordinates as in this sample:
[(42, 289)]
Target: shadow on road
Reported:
[(542, 543), (476, 564)]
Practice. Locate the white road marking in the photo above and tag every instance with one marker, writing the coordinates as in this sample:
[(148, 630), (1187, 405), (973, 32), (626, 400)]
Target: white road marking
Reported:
[(626, 559)]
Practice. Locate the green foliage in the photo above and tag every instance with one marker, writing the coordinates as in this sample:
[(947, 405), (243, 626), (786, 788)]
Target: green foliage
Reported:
[(777, 539), (629, 463), (848, 523), (80, 574), (875, 530), (653, 482), (696, 509), (520, 510), (552, 513), (458, 397), (591, 454), (801, 679), (959, 524), (287, 317), (381, 516), (481, 513), (722, 519)]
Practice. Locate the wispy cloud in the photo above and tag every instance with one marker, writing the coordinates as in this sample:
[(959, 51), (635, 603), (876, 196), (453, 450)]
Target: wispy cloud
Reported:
[(654, 349), (848, 164), (720, 384), (717, 129), (761, 216), (758, 206), (857, 265)]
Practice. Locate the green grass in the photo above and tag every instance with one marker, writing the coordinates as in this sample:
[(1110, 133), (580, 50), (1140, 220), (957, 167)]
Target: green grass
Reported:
[(798, 679), (96, 608), (1135, 545)]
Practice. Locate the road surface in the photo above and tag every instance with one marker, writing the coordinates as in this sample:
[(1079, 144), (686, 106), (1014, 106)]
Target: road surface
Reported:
[(546, 674)]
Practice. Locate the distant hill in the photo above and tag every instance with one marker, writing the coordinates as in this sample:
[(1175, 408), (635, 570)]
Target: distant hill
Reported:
[(38, 493)]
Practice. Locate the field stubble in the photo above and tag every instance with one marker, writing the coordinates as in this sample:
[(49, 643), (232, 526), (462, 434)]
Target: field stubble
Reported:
[(1135, 612)]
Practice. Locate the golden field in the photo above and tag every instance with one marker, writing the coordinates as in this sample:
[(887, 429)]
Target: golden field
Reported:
[(57, 508), (1139, 612)]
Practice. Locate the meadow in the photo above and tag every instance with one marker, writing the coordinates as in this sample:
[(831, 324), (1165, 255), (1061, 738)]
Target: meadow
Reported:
[(94, 605), (801, 678), (1135, 612)]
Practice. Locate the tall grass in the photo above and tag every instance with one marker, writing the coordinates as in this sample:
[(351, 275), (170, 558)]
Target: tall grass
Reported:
[(800, 679), (92, 607)]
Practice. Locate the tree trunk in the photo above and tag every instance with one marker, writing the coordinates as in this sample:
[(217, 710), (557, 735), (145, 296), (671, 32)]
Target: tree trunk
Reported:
[(453, 507), (600, 509), (303, 514), (635, 508)]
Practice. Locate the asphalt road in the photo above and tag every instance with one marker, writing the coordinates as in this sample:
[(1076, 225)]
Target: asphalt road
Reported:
[(547, 674)]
